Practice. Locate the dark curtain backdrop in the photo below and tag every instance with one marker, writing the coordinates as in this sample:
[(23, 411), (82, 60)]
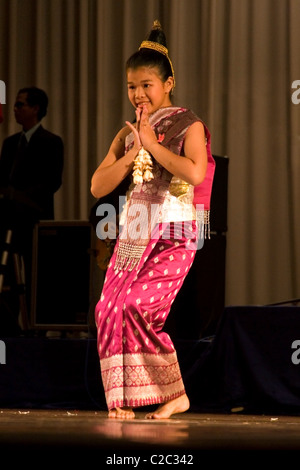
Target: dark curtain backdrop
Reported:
[(235, 62)]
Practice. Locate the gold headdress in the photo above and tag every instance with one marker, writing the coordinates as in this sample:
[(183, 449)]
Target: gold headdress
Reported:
[(156, 46)]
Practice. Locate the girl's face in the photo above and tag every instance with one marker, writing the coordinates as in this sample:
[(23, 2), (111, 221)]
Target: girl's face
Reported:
[(145, 87)]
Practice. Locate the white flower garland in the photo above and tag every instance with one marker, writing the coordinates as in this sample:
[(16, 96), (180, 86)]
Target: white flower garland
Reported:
[(142, 169)]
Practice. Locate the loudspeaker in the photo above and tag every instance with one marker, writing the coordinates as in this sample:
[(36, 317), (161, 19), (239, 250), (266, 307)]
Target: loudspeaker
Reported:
[(198, 306), (61, 275)]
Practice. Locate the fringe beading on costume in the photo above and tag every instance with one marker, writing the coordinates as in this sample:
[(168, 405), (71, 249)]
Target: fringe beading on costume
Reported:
[(207, 224), (128, 256), (141, 218), (203, 221)]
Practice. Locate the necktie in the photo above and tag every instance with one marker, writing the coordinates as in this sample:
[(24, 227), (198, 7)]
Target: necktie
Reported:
[(19, 155)]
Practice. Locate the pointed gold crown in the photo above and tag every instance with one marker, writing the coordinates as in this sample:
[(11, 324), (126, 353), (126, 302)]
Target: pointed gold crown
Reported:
[(156, 46)]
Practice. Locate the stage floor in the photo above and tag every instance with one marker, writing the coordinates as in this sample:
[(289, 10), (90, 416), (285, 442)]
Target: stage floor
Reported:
[(243, 386), (36, 436)]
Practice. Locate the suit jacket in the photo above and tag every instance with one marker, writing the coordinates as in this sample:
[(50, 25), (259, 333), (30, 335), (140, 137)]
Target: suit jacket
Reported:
[(37, 173)]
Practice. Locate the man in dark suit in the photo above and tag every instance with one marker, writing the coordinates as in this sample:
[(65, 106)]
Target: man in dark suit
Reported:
[(31, 167)]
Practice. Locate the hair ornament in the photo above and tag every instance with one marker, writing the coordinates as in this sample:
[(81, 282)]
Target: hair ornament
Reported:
[(156, 46)]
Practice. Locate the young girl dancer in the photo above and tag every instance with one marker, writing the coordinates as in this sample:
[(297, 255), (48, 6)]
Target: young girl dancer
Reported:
[(167, 151)]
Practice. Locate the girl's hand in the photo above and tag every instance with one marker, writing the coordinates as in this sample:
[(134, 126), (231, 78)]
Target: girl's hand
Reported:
[(146, 133), (135, 129)]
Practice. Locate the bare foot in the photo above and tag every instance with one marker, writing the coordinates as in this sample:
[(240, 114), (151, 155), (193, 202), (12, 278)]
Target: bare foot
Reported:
[(121, 413), (178, 405)]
